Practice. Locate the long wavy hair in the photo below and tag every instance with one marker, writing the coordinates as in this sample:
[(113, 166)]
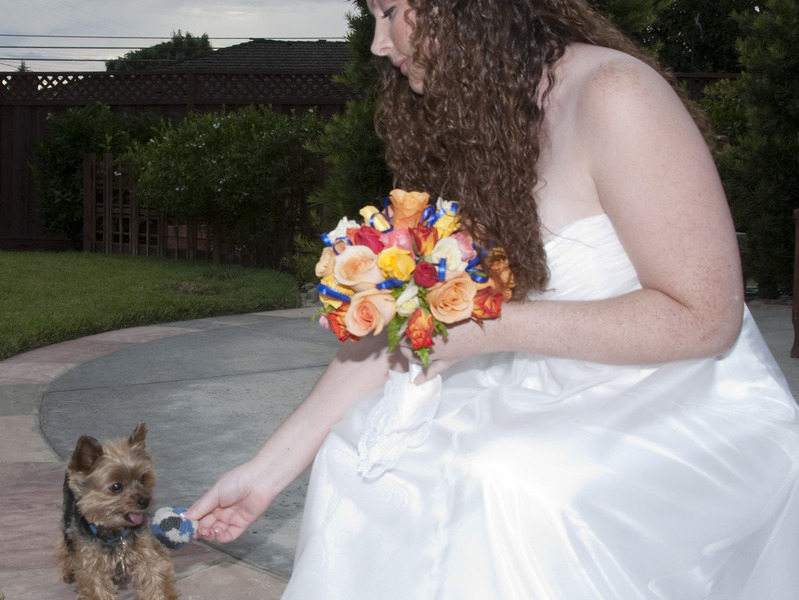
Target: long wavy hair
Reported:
[(474, 135)]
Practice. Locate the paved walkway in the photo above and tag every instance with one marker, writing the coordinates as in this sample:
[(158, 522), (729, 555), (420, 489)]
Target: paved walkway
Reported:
[(211, 391)]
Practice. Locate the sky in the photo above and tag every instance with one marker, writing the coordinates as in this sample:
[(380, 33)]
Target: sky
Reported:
[(117, 22)]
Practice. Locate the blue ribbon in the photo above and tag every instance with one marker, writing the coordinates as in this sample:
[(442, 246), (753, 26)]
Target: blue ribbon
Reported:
[(326, 240), (389, 284), (477, 275), (430, 215), (331, 293), (442, 269)]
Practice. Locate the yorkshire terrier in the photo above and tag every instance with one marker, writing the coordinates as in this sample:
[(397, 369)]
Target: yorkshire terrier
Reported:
[(107, 539)]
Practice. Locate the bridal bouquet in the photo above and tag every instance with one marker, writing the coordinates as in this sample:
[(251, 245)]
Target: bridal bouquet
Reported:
[(409, 269)]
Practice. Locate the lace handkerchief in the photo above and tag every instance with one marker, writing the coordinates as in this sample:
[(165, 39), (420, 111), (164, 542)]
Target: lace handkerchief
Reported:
[(401, 420)]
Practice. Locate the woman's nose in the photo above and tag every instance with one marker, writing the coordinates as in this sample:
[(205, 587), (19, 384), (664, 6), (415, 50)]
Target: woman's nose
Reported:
[(380, 41)]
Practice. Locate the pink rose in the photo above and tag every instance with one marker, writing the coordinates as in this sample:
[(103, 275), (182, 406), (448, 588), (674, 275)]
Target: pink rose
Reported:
[(401, 237), (465, 245)]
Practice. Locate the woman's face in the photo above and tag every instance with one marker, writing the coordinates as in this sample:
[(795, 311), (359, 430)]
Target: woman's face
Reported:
[(394, 21)]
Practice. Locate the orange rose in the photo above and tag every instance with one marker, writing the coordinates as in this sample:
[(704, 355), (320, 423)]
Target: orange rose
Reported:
[(336, 321), (420, 329), (500, 277), (407, 207), (452, 300), (487, 304), (356, 267), (424, 239), (370, 310)]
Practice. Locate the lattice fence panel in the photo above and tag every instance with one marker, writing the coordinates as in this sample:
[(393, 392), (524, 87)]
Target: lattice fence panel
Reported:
[(137, 88)]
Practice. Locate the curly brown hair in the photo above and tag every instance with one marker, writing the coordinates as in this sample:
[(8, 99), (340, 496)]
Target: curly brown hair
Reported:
[(473, 136)]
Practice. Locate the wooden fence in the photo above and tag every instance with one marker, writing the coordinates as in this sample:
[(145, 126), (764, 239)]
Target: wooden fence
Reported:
[(115, 222)]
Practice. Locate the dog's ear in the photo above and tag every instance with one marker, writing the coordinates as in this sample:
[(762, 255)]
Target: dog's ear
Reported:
[(139, 434), (87, 451)]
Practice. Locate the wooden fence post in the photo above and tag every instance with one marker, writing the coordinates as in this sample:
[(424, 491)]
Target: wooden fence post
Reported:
[(89, 203), (795, 306), (108, 205)]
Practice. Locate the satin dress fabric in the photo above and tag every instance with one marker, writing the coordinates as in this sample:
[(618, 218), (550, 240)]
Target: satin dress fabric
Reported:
[(556, 479)]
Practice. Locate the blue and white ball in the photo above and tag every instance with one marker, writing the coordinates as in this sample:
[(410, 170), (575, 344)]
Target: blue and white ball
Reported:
[(172, 528)]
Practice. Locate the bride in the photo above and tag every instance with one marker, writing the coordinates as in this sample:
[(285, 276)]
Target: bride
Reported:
[(622, 431)]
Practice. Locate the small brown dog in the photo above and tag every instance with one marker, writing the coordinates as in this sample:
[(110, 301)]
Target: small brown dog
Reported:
[(107, 538)]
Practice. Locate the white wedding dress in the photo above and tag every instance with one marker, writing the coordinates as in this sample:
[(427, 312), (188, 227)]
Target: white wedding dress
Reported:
[(555, 479)]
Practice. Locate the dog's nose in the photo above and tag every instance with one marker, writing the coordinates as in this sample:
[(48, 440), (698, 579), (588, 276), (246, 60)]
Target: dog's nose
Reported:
[(144, 503)]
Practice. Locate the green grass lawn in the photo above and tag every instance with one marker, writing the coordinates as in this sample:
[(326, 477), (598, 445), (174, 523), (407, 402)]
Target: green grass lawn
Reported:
[(52, 297)]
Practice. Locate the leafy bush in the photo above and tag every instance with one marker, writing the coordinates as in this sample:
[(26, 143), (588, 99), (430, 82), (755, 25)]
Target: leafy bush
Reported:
[(58, 160), (244, 175)]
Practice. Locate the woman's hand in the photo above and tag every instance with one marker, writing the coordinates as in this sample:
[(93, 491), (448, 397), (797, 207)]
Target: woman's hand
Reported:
[(231, 505), (464, 340)]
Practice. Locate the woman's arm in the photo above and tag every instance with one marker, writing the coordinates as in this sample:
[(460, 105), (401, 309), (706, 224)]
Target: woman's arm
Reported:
[(656, 180), (244, 493)]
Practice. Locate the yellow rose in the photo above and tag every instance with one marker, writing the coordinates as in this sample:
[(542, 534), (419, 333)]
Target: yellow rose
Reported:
[(447, 224), (374, 218), (335, 303), (396, 263)]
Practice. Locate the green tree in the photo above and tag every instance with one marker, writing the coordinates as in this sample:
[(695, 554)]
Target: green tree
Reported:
[(180, 47), (244, 175), (58, 160), (633, 17), (355, 158), (696, 36), (357, 172), (759, 114)]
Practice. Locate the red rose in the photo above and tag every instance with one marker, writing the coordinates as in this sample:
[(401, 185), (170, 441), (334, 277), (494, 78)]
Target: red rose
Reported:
[(370, 237), (420, 329), (487, 304), (425, 275)]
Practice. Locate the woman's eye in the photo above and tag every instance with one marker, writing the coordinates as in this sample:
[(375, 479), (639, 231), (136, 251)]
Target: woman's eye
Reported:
[(387, 14)]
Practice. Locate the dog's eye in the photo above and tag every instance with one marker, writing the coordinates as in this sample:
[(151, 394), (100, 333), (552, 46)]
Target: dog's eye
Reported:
[(142, 479), (116, 487)]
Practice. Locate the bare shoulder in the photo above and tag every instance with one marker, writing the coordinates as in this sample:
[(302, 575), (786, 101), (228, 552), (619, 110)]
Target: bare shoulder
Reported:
[(603, 83)]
